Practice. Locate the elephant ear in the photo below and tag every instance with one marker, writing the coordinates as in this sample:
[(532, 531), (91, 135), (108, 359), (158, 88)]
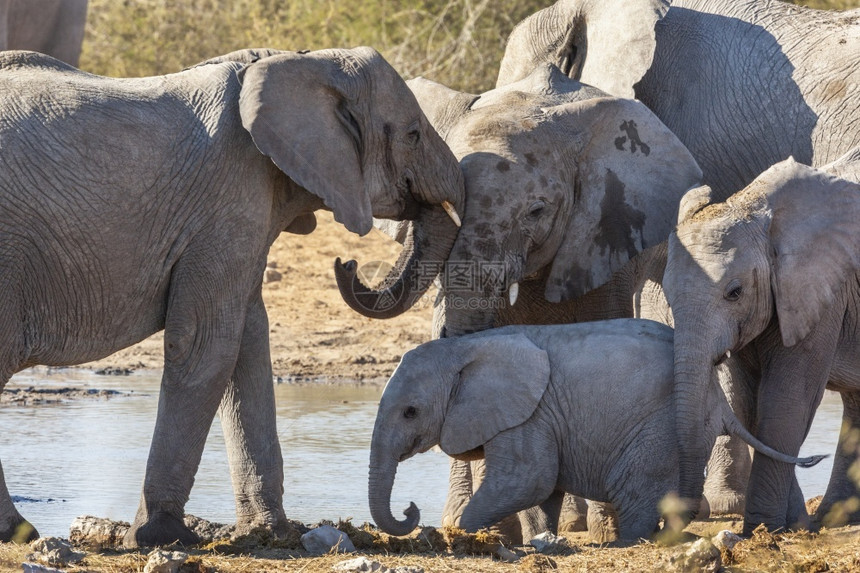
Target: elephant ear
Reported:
[(815, 237), (631, 173), (694, 201), (503, 379), (302, 111), (442, 105), (608, 44)]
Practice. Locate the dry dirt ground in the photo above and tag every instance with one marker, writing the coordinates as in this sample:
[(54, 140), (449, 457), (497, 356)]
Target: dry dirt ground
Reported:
[(314, 335)]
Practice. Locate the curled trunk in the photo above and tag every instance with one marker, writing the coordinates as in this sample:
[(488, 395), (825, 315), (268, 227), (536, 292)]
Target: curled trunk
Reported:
[(380, 482), (427, 245)]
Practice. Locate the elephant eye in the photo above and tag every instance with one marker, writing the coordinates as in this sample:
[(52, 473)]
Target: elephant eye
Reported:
[(537, 208), (734, 292), (413, 135), (410, 412)]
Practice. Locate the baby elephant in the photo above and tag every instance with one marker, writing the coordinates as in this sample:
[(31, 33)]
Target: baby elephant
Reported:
[(584, 408)]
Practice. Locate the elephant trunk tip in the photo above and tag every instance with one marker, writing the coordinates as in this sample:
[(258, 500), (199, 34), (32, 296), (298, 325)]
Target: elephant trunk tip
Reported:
[(811, 460)]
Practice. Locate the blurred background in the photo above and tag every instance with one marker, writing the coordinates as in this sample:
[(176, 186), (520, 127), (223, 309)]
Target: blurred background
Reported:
[(456, 42)]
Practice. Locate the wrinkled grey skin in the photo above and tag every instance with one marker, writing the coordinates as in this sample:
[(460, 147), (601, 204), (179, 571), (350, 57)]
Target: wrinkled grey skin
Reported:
[(52, 27), (743, 83), (771, 277), (128, 206), (542, 405), (559, 197)]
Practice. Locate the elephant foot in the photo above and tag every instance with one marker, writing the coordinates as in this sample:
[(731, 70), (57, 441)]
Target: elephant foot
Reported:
[(282, 529), (19, 531), (602, 522), (732, 503), (159, 530)]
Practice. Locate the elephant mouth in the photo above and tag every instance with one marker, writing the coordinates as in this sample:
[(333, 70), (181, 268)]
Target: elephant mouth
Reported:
[(415, 448)]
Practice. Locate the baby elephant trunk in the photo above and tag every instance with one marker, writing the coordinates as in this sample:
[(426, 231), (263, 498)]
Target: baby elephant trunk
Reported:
[(380, 481)]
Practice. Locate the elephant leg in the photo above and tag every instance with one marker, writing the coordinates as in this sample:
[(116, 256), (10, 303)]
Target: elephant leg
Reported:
[(603, 522), (792, 385), (248, 419), (201, 341), (13, 526), (459, 492), (542, 517), (574, 511), (730, 462), (510, 483), (841, 502)]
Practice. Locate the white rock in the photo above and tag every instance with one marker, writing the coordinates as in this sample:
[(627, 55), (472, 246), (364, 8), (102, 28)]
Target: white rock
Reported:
[(361, 564), (98, 532), (323, 539), (53, 551), (547, 543), (506, 554), (727, 539), (161, 561), (701, 556), (36, 568)]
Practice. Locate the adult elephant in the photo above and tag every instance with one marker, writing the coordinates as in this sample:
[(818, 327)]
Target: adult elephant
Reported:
[(742, 83), (128, 206), (564, 186), (53, 27), (771, 276)]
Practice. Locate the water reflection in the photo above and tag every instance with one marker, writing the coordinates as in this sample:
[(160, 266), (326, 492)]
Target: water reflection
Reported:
[(89, 456)]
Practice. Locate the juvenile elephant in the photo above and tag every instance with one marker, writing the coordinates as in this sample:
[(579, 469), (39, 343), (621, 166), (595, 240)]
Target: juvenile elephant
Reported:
[(771, 276), (128, 206), (564, 186), (543, 405), (743, 83), (52, 27)]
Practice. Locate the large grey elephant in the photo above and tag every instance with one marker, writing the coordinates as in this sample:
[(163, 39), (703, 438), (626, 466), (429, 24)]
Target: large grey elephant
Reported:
[(52, 27), (128, 206), (743, 83), (542, 406), (564, 186), (771, 276)]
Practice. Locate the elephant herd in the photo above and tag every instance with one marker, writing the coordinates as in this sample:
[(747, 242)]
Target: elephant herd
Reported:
[(722, 201)]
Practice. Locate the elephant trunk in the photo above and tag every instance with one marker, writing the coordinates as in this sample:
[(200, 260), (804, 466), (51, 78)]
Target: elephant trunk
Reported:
[(380, 481), (427, 244), (693, 370)]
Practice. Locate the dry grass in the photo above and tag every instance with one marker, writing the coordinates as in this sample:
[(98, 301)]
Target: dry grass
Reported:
[(456, 42), (831, 550)]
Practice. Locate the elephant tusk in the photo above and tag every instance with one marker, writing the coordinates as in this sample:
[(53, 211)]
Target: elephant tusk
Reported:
[(449, 208), (513, 291), (728, 354)]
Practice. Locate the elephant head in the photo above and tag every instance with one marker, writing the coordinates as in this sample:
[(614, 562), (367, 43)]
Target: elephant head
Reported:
[(343, 125), (605, 43), (782, 248), (457, 393), (563, 187)]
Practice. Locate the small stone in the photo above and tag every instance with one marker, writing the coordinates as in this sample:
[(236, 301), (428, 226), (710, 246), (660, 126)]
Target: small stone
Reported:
[(549, 544), (272, 276), (726, 539), (701, 556), (161, 561), (326, 538), (54, 551), (36, 568), (97, 532), (360, 564), (506, 554)]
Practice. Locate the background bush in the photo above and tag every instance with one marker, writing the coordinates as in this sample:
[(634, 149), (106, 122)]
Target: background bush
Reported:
[(456, 42)]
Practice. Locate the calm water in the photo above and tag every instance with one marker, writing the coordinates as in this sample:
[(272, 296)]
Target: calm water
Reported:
[(89, 456)]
